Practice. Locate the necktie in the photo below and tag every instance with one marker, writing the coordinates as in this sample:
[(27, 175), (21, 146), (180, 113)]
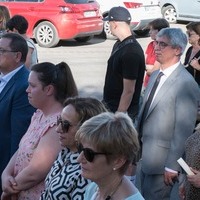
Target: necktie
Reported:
[(151, 95)]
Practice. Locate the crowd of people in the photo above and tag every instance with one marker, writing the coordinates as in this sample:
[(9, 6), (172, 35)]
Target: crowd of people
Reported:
[(58, 145)]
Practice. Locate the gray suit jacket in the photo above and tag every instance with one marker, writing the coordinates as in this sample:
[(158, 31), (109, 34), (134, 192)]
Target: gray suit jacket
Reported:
[(169, 122)]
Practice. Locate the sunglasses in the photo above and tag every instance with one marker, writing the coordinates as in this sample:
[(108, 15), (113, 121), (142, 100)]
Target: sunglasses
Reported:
[(89, 153), (65, 125)]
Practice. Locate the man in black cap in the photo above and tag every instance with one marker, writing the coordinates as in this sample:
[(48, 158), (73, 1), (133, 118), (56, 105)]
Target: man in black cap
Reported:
[(125, 68)]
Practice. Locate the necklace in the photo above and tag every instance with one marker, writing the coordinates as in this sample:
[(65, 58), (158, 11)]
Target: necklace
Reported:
[(109, 197)]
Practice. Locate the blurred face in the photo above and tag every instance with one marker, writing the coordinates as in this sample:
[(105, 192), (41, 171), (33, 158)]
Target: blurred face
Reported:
[(99, 169), (1, 22), (37, 94), (112, 27), (8, 58), (153, 33), (67, 126), (193, 37), (165, 54)]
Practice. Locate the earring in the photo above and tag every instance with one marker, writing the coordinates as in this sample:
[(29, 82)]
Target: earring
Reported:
[(114, 168)]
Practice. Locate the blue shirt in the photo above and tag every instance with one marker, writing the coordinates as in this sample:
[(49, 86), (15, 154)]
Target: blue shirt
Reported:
[(91, 192)]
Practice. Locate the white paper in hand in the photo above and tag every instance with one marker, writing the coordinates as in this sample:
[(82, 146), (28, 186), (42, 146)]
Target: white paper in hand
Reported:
[(185, 166)]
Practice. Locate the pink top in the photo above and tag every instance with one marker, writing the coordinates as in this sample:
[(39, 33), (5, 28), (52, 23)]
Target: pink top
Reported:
[(26, 149)]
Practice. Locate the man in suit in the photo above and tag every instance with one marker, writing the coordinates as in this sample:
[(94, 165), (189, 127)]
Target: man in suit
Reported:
[(170, 118), (15, 110)]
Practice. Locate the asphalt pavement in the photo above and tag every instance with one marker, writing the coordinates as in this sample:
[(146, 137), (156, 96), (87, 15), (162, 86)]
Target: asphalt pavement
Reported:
[(87, 61)]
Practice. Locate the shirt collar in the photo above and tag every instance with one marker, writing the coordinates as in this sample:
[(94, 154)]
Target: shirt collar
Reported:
[(167, 72), (7, 77)]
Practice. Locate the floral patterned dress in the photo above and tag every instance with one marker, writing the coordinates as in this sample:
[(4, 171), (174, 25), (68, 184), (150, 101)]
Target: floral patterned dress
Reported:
[(27, 147)]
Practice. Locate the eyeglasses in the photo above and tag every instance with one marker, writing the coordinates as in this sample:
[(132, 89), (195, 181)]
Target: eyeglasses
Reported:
[(161, 44), (65, 125), (89, 153), (2, 51)]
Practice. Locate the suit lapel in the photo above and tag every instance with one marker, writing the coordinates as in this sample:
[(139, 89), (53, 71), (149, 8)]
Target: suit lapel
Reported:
[(10, 83), (165, 88), (146, 94), (6, 88)]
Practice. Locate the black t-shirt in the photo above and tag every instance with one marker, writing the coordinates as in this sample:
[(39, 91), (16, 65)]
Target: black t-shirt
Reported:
[(190, 69), (126, 63)]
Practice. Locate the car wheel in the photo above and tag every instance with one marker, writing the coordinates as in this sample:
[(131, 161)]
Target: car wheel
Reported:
[(46, 35), (107, 32), (83, 39), (169, 13), (142, 33)]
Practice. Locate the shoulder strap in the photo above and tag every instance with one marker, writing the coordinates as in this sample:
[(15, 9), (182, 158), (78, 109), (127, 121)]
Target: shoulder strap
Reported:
[(123, 44), (197, 55)]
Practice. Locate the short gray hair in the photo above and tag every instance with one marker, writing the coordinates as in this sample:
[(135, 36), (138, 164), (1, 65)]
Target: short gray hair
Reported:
[(176, 36)]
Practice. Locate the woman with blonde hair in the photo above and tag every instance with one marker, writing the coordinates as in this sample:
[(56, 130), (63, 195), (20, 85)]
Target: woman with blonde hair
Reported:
[(107, 144)]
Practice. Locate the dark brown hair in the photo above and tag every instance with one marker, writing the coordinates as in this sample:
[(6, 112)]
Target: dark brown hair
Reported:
[(159, 24), (194, 26), (60, 76)]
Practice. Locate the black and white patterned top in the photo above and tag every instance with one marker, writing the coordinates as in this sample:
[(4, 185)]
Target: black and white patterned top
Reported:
[(64, 181)]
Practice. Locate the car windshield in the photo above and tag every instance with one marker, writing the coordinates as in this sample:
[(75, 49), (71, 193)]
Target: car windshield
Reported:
[(79, 1)]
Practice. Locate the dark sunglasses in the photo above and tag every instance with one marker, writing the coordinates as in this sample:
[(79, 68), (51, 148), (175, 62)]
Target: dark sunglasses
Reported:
[(65, 125), (89, 153)]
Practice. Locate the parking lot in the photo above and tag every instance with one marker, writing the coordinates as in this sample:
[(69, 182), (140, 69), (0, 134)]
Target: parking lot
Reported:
[(87, 61)]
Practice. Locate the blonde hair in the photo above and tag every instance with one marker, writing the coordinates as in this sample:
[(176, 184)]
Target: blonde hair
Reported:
[(113, 134)]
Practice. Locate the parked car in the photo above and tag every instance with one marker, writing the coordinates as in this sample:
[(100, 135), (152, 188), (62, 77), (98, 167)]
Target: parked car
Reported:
[(183, 10), (142, 12), (54, 20)]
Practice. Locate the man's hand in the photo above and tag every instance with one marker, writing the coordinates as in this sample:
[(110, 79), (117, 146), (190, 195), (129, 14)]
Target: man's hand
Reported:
[(182, 191), (170, 178)]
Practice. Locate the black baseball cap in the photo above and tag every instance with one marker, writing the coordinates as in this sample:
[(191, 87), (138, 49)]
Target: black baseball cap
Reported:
[(118, 14)]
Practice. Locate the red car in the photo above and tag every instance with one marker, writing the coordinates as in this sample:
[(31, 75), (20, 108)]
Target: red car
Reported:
[(54, 20)]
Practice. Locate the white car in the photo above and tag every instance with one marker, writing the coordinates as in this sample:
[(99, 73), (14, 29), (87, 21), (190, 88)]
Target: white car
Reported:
[(142, 12), (183, 10)]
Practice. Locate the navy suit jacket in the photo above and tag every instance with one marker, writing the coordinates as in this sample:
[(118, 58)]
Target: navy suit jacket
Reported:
[(15, 115)]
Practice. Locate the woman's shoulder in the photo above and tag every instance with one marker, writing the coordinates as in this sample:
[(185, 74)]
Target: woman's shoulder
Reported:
[(37, 115), (150, 45), (131, 191), (30, 43)]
